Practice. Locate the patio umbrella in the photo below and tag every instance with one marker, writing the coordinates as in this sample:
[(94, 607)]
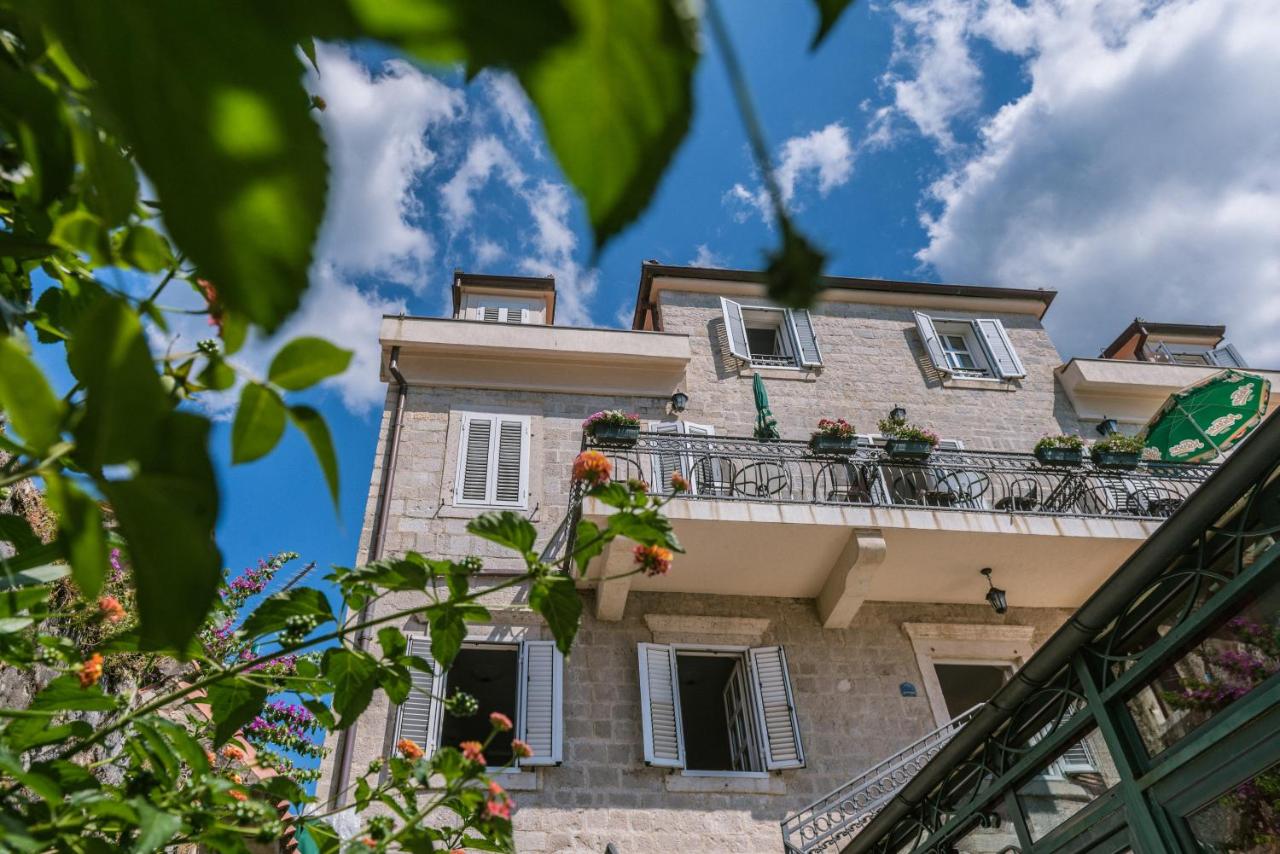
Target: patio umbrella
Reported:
[(1207, 418), (766, 425)]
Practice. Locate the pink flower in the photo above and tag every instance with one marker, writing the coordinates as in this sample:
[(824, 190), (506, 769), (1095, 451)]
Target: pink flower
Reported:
[(654, 560), (472, 751), (500, 722), (592, 467), (409, 749), (521, 749), (111, 609)]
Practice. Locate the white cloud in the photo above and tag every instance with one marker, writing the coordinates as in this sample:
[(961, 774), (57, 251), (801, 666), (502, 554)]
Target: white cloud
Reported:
[(512, 105), (486, 155), (1139, 174), (822, 159), (704, 257), (554, 242), (488, 252), (375, 125)]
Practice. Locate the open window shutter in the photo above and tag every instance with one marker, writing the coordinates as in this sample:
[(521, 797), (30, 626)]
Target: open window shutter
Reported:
[(660, 706), (514, 315), (929, 335), (735, 328), (489, 313), (509, 486), (542, 702), (1004, 361), (772, 687), (1077, 759), (806, 339), (950, 445), (418, 718), (473, 471), (1227, 357), (666, 462)]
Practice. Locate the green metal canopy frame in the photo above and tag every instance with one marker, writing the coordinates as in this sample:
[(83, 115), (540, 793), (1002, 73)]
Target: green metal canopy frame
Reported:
[(766, 424), (1207, 418)]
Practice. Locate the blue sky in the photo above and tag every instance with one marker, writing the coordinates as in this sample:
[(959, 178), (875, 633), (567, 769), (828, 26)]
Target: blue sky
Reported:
[(1123, 152)]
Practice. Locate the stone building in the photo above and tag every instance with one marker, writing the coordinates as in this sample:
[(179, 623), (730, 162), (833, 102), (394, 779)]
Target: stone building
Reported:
[(829, 626)]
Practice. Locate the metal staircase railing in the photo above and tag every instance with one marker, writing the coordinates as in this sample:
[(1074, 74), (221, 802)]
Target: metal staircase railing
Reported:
[(842, 813)]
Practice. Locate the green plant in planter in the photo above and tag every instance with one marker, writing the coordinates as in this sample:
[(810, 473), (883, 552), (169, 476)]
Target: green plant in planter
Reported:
[(613, 425), (903, 439), (833, 434), (1117, 450), (1060, 450)]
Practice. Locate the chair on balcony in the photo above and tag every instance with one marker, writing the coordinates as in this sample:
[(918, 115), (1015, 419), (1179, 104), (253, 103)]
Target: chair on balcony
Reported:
[(911, 485), (1022, 495), (1157, 501), (762, 480), (961, 489), (842, 482), (713, 476), (627, 467)]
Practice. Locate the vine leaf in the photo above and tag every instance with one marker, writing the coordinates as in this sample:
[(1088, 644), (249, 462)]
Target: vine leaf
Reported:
[(26, 398), (233, 702), (557, 600), (259, 423), (303, 362), (274, 612), (312, 425), (354, 676)]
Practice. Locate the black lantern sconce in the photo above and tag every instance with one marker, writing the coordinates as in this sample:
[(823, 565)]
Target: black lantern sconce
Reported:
[(995, 596), (1108, 426), (679, 401), (897, 414)]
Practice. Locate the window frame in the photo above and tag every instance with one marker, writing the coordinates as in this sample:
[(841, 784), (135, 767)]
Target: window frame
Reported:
[(973, 348), (779, 320), (491, 474), (741, 654), (443, 680), (795, 346)]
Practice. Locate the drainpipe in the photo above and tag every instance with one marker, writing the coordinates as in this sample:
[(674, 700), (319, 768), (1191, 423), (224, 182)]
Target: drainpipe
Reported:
[(346, 738)]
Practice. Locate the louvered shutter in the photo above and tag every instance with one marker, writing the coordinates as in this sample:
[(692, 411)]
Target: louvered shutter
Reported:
[(541, 702), (929, 335), (514, 315), (772, 688), (1227, 357), (1004, 361), (489, 313), (1077, 760), (806, 339), (669, 460), (473, 470), (418, 717), (735, 329), (660, 706), (509, 464)]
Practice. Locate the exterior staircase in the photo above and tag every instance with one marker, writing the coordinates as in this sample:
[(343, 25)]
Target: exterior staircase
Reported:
[(826, 823)]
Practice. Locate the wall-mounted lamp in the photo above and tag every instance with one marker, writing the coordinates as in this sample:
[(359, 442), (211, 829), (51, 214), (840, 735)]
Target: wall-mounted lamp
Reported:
[(1108, 426), (995, 595), (897, 414), (679, 401)]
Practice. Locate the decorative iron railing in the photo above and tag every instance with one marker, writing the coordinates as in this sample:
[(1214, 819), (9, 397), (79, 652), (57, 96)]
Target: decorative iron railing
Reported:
[(842, 813), (741, 469)]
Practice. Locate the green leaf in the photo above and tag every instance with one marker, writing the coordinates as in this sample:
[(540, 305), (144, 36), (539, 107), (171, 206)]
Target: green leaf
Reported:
[(34, 576), (303, 362), (218, 375), (557, 600), (17, 531), (23, 248), (26, 398), (84, 234), (36, 120), (233, 702), (146, 249), (156, 826), (312, 425), (22, 734), (794, 274), (647, 529), (448, 631), (392, 641), (354, 676), (259, 423), (623, 85), (589, 543), (829, 12), (273, 614), (82, 532), (64, 694), (112, 190), (395, 680), (506, 528), (167, 514)]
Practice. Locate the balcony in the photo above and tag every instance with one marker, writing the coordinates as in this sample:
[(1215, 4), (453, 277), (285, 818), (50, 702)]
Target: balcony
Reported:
[(775, 519), (1132, 391)]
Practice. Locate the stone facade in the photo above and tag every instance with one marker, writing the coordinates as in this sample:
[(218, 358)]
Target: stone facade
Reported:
[(851, 710)]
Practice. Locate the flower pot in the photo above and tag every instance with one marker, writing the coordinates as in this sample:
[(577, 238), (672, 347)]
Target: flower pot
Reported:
[(1060, 456), (833, 444), (908, 449), (1116, 459), (615, 434)]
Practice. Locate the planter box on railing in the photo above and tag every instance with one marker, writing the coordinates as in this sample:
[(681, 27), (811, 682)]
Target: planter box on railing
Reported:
[(908, 449), (833, 444), (1059, 456), (1116, 459), (615, 434)]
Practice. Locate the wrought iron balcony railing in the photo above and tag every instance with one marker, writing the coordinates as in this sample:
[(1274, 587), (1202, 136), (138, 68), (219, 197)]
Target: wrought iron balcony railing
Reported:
[(740, 469), (827, 821)]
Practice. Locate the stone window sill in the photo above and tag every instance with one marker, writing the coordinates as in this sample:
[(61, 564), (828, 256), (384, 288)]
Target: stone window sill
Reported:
[(807, 375), (980, 383), (523, 780), (733, 785)]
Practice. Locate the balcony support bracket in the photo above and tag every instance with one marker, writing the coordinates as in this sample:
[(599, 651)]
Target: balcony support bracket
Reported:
[(611, 595), (850, 578)]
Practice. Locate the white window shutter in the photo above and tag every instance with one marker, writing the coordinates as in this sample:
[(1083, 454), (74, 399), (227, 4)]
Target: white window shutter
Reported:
[(510, 479), (473, 460), (735, 329), (1077, 760), (1004, 361), (699, 429), (660, 706), (1227, 357), (514, 315), (669, 462), (929, 335), (772, 687), (541, 717), (419, 716), (489, 313), (806, 338)]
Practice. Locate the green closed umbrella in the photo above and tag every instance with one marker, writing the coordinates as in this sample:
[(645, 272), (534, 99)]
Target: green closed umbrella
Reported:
[(1207, 418), (766, 425)]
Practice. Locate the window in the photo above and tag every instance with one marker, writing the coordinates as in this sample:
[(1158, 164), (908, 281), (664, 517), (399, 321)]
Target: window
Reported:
[(496, 309), (718, 710), (969, 348), (965, 685), (766, 336), (493, 461), (524, 681), (681, 457)]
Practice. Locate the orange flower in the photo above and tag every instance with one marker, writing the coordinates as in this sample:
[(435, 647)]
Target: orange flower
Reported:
[(521, 749), (635, 484), (370, 841), (237, 794), (91, 671), (500, 722), (110, 609), (498, 808), (409, 749), (654, 560), (237, 779), (233, 753), (496, 790), (592, 467), (471, 750), (679, 483), (208, 754)]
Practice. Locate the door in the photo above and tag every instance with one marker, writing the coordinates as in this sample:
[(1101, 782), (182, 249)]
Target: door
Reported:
[(744, 741)]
